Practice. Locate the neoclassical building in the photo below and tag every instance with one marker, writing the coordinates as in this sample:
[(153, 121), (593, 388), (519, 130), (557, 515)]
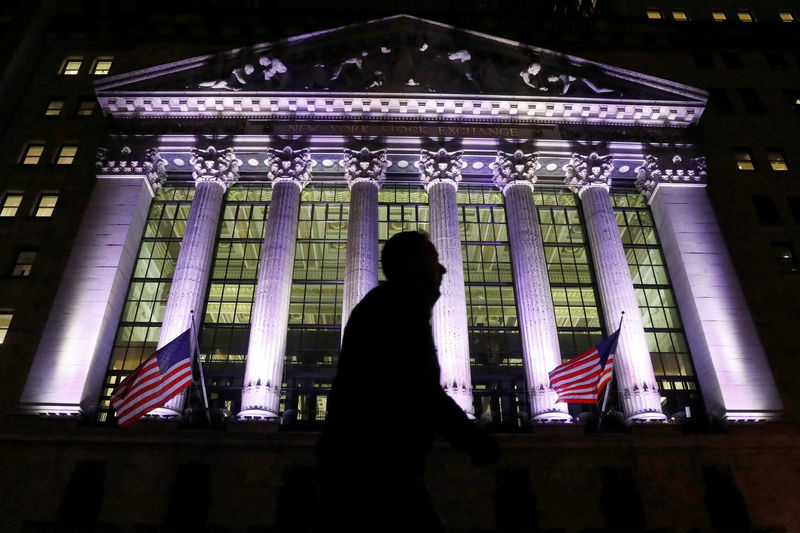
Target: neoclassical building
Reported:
[(253, 189)]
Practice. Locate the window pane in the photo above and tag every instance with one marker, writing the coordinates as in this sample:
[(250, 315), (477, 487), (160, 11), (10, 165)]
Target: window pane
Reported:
[(101, 67), (47, 203), (71, 67), (54, 108), (5, 322), (776, 160), (11, 204), (719, 16), (25, 260), (86, 108), (33, 153), (67, 154)]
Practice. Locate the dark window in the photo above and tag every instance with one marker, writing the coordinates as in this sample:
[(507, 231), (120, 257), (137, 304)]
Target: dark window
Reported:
[(752, 103), (786, 258), (720, 101), (22, 268), (702, 59), (793, 97), (775, 60), (794, 207), (766, 210), (731, 59)]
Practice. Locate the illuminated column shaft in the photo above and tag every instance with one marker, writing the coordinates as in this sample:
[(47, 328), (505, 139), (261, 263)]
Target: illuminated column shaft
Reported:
[(263, 375), (590, 177), (514, 175), (215, 170), (534, 302), (365, 172), (633, 367), (450, 331), (728, 356), (361, 272)]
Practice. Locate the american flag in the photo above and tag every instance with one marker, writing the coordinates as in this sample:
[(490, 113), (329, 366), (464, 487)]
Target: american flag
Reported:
[(582, 379), (156, 381)]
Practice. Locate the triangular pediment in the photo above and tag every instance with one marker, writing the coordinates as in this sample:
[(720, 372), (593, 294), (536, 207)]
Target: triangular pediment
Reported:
[(402, 55)]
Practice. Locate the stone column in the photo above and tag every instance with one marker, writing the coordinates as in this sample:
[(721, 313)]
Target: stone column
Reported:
[(72, 357), (590, 177), (215, 171), (514, 175), (440, 173), (365, 172), (728, 356), (289, 171)]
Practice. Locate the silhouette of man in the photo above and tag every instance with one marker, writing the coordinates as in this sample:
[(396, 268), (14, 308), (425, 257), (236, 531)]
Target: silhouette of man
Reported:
[(386, 403)]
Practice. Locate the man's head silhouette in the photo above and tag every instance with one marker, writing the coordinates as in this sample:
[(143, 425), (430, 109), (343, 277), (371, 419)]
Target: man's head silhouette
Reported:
[(411, 258)]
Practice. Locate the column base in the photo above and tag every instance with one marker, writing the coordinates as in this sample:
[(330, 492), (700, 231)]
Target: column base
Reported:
[(746, 416), (257, 415), (164, 412), (647, 417), (559, 417)]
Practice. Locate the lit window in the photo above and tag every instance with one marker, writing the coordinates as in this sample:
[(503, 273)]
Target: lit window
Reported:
[(54, 108), (743, 159), (33, 152), (71, 67), (101, 67), (86, 108), (786, 16), (719, 16), (654, 14), (776, 160), (5, 321), (680, 15), (745, 16), (46, 205), (11, 204), (785, 257), (22, 268), (67, 154)]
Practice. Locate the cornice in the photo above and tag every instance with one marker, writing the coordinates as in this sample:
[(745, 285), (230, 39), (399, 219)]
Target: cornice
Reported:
[(369, 106)]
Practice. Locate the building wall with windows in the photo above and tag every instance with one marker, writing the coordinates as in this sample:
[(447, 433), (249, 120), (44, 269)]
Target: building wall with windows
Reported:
[(91, 246)]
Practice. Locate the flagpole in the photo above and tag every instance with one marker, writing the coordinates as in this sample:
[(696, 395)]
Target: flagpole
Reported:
[(608, 385), (196, 355)]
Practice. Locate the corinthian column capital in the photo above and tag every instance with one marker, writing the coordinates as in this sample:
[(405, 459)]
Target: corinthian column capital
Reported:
[(680, 171), (289, 165), (364, 165), (212, 165), (518, 167), (440, 166), (593, 170)]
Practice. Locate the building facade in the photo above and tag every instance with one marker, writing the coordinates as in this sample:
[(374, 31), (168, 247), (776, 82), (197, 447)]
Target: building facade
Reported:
[(250, 191)]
